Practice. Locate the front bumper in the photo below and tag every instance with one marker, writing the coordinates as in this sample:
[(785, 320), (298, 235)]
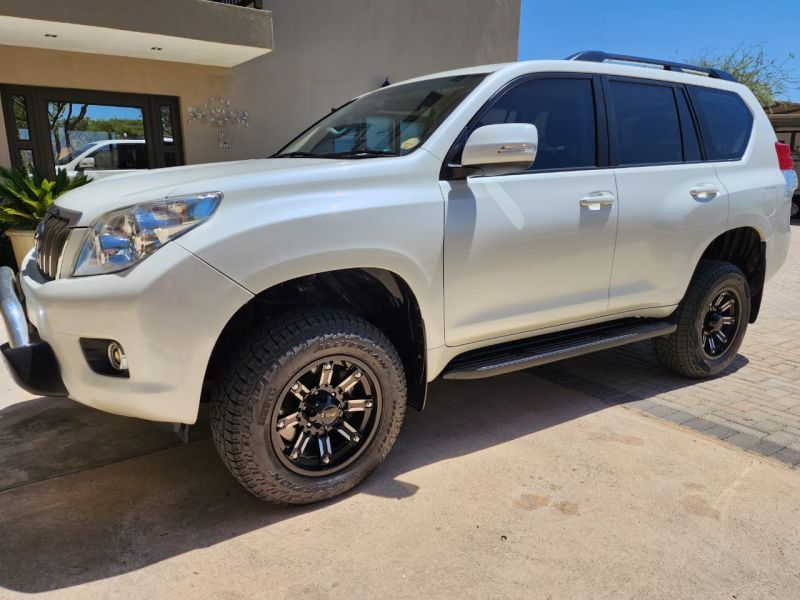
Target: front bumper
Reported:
[(167, 313), (30, 360)]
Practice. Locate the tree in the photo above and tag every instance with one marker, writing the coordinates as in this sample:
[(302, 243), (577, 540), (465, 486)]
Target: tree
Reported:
[(768, 78)]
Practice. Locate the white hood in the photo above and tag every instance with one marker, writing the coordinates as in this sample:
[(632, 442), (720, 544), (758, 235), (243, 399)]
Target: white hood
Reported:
[(102, 196)]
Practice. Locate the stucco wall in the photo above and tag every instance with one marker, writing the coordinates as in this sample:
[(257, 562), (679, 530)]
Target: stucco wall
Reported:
[(328, 51), (192, 84)]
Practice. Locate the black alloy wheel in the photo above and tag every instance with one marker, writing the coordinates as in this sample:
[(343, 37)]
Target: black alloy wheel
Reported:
[(721, 323), (327, 415)]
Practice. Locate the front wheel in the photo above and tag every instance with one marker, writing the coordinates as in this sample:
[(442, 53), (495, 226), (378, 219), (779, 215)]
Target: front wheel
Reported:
[(795, 207), (712, 320), (311, 404)]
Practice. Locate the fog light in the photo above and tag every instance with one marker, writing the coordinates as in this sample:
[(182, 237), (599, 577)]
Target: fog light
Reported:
[(116, 357)]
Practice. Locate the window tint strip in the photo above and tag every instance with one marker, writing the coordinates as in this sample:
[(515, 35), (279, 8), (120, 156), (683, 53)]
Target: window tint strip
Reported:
[(689, 135)]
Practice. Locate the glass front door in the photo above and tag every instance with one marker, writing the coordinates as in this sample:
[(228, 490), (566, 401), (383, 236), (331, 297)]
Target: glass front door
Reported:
[(97, 133)]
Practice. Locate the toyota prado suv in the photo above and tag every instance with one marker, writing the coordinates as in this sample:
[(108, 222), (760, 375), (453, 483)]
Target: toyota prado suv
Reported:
[(459, 225)]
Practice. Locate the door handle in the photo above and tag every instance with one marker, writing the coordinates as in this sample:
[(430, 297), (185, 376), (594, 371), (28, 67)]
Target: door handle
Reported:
[(704, 191), (597, 200)]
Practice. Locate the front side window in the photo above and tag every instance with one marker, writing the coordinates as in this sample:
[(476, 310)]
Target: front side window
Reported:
[(645, 125), (120, 157), (389, 122), (69, 156), (564, 115), (725, 122)]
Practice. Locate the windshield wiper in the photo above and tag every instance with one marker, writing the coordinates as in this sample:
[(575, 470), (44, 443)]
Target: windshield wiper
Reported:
[(296, 155), (362, 153)]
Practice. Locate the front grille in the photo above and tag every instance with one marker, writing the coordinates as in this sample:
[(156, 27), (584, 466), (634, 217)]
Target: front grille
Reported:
[(51, 237)]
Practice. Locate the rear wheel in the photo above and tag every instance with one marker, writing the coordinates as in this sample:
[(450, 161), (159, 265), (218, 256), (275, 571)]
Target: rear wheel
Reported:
[(712, 320), (311, 404), (795, 207)]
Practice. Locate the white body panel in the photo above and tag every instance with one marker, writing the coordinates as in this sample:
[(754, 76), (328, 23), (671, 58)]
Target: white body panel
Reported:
[(663, 231), (166, 314), (522, 254), (488, 258)]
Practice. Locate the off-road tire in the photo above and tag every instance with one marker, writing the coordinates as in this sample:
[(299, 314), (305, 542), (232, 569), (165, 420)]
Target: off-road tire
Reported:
[(247, 394), (682, 351)]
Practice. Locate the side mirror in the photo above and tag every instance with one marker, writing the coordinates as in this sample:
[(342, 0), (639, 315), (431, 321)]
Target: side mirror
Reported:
[(86, 163), (509, 145)]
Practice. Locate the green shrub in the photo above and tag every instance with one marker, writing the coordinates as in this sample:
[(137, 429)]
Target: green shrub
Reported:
[(25, 195)]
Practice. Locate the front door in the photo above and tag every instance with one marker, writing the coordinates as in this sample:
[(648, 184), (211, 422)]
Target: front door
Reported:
[(52, 129), (533, 249)]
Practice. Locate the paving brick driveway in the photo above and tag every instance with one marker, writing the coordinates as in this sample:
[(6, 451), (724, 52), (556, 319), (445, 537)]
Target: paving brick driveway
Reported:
[(755, 404)]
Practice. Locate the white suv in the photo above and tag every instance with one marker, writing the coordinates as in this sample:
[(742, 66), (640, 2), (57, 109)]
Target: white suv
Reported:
[(460, 225)]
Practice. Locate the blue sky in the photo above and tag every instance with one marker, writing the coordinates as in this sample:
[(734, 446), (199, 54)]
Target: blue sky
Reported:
[(673, 29)]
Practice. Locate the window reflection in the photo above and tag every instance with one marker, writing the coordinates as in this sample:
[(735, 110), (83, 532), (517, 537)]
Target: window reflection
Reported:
[(96, 136), (26, 159), (20, 109)]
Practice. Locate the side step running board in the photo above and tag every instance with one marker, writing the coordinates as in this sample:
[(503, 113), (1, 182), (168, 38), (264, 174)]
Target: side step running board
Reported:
[(532, 352)]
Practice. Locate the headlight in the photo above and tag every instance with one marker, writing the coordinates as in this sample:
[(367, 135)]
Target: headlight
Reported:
[(122, 238)]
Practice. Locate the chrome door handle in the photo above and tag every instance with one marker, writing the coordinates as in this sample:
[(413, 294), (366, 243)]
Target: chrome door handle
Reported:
[(704, 191), (597, 200)]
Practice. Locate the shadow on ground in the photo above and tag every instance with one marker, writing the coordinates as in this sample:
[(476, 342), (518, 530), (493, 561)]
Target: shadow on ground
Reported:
[(153, 499)]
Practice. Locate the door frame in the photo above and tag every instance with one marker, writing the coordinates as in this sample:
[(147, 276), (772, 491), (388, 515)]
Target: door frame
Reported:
[(36, 101), (452, 170)]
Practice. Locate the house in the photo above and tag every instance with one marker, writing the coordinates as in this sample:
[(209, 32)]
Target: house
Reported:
[(78, 72), (785, 118)]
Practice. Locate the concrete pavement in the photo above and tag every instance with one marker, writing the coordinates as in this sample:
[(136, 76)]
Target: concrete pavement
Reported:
[(513, 487)]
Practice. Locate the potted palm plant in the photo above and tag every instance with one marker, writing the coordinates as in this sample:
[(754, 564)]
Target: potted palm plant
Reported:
[(25, 197)]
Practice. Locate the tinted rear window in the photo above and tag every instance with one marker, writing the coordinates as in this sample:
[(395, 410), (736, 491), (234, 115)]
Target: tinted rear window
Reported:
[(725, 122), (647, 128)]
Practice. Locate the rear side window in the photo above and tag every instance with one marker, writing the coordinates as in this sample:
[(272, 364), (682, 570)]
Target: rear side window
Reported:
[(646, 128), (725, 122), (564, 115)]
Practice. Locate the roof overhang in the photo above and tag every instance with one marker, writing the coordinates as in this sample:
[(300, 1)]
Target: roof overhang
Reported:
[(188, 31)]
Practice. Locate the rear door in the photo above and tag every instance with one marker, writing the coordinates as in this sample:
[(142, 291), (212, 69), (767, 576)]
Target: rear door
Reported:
[(671, 202)]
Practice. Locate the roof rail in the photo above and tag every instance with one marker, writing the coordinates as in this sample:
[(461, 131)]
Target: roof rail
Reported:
[(597, 56)]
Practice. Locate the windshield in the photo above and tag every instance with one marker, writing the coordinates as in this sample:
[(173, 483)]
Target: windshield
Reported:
[(389, 122), (69, 156)]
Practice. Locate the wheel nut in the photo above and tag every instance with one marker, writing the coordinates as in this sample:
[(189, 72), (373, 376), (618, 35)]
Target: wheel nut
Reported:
[(368, 403), (294, 455), (327, 366), (357, 374), (281, 424), (356, 439), (295, 387), (326, 459)]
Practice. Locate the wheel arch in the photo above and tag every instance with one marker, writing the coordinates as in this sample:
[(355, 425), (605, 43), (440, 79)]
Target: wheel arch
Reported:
[(377, 295), (746, 248)]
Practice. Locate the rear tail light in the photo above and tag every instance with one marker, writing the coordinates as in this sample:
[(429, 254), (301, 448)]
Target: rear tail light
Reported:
[(784, 152), (786, 165)]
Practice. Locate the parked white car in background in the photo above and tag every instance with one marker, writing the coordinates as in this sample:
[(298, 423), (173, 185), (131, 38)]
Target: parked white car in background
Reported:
[(461, 225), (105, 158)]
